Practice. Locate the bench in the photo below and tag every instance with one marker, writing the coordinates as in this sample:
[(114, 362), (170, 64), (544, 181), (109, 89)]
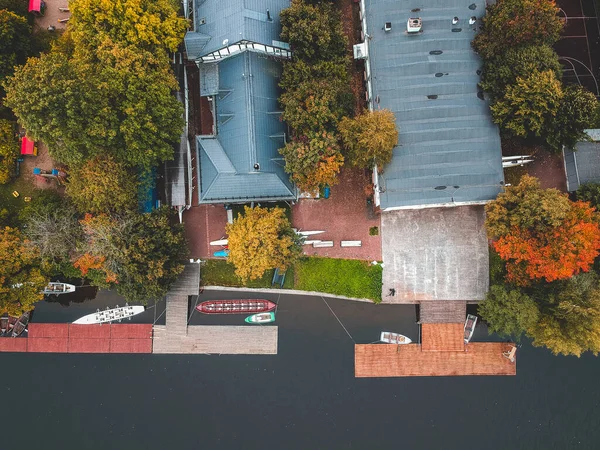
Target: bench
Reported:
[(351, 244), (323, 244)]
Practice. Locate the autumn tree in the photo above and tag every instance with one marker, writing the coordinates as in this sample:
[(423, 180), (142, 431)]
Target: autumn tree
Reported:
[(21, 280), (314, 32), (141, 253), (313, 160), (9, 150), (514, 23), (508, 311), (541, 234), (503, 69), (529, 106), (369, 138), (102, 185), (575, 114), (261, 239)]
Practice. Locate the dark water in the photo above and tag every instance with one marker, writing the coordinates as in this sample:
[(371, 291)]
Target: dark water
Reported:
[(304, 398)]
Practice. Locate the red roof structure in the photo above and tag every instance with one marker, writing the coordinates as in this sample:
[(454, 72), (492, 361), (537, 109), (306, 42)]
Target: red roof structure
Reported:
[(35, 6), (28, 146)]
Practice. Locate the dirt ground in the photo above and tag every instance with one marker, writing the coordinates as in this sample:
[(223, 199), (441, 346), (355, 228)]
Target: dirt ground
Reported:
[(548, 167), (203, 224), (344, 216), (43, 161), (52, 14)]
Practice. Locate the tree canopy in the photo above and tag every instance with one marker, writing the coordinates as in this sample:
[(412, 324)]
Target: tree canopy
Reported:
[(21, 280), (503, 69), (14, 41), (261, 239), (508, 312), (541, 234), (529, 106), (369, 138), (9, 150), (513, 23), (102, 185), (313, 161)]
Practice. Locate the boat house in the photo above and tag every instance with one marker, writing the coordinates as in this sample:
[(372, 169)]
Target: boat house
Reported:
[(236, 48)]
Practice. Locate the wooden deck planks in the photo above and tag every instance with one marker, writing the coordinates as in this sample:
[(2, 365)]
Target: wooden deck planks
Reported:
[(388, 360), (442, 311), (229, 340), (443, 337)]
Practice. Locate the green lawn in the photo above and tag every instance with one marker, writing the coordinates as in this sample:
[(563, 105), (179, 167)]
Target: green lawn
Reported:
[(347, 277)]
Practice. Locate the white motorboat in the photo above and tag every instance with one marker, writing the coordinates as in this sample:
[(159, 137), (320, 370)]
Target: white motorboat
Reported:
[(470, 327), (56, 288), (110, 315), (394, 338), (221, 242)]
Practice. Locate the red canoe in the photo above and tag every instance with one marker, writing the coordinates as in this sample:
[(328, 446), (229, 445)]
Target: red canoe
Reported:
[(246, 306)]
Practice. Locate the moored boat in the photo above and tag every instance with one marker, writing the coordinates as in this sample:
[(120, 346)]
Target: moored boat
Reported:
[(21, 324), (394, 338), (259, 318), (235, 306), (110, 315), (57, 288), (470, 327)]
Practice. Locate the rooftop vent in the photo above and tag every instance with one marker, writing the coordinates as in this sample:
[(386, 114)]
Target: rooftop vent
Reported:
[(256, 166), (202, 21), (472, 20), (455, 20), (360, 51), (473, 6), (387, 27), (414, 25)]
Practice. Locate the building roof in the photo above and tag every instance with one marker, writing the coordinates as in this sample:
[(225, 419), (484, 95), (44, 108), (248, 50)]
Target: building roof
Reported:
[(582, 165), (449, 149), (249, 135), (445, 311), (216, 21)]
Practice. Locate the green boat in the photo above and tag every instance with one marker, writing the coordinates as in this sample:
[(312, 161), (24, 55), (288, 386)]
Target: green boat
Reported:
[(265, 317)]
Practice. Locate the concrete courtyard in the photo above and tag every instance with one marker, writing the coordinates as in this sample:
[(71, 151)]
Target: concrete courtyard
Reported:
[(434, 254)]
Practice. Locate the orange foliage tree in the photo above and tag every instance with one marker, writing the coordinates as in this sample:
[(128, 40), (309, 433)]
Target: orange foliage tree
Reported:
[(542, 248)]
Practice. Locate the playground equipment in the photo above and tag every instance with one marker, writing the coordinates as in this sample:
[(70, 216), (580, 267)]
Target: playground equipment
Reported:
[(55, 174)]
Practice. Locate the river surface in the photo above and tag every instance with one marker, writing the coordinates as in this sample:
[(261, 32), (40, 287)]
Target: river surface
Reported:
[(306, 397)]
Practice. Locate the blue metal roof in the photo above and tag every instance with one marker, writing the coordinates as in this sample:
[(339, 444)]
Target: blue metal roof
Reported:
[(249, 132), (449, 149), (236, 20)]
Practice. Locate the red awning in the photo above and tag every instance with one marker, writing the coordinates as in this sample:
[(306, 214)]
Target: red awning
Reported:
[(35, 5), (27, 147)]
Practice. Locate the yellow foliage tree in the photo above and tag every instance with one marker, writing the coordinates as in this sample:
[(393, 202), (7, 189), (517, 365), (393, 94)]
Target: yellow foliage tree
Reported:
[(21, 279), (260, 240)]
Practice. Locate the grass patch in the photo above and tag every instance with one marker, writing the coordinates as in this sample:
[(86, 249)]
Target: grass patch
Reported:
[(11, 206), (217, 272), (347, 277)]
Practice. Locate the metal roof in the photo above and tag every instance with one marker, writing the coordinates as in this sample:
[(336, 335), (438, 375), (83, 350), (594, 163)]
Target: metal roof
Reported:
[(449, 149), (249, 133), (236, 20), (582, 165)]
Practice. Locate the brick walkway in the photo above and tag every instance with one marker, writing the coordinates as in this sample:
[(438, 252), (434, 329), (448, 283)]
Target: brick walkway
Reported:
[(203, 224), (345, 215)]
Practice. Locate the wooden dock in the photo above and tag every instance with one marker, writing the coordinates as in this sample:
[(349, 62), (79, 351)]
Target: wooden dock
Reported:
[(176, 337)]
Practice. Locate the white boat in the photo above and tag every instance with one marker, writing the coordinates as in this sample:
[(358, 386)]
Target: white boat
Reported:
[(394, 338), (266, 317), (56, 288), (110, 315), (470, 327), (220, 242), (308, 233)]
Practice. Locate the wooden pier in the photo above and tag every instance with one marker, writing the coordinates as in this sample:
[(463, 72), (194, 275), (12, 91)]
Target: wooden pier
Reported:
[(176, 337)]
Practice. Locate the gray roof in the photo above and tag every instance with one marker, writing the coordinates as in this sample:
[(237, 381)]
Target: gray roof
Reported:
[(449, 142), (236, 20), (249, 132), (582, 165)]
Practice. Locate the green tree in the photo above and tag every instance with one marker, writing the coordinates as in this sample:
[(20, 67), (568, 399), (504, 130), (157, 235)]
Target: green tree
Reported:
[(570, 317), (102, 185), (314, 32), (9, 150), (19, 7), (14, 41), (503, 69), (529, 106), (508, 312), (575, 114), (514, 23), (21, 279), (589, 192), (369, 138), (261, 239), (313, 161)]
